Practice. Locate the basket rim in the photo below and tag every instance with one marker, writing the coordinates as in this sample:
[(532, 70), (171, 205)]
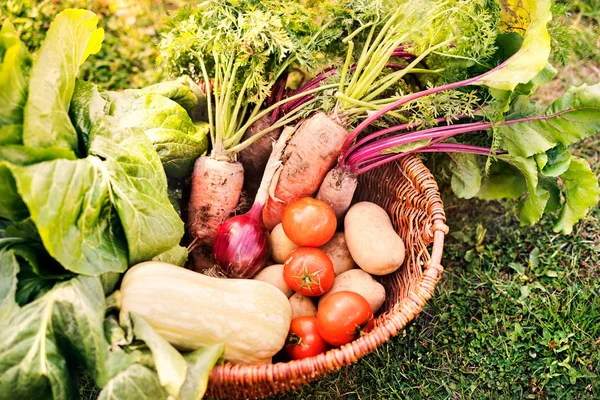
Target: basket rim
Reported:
[(388, 325)]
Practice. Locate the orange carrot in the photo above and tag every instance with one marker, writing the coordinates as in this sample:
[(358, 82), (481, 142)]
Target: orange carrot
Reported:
[(216, 189), (310, 154), (337, 190)]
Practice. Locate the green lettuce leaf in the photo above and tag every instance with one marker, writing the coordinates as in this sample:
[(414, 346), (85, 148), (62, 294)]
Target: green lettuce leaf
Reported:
[(153, 111), (581, 193), (177, 256), (11, 205), (24, 155), (110, 280), (573, 117), (31, 286), (71, 39), (68, 320), (177, 140), (178, 152), (199, 362), (88, 107), (15, 63), (84, 210), (31, 253), (70, 204), (170, 365), (8, 287), (138, 191), (184, 91), (527, 18), (136, 382)]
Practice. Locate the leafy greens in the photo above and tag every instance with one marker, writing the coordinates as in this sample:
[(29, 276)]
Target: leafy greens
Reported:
[(84, 196)]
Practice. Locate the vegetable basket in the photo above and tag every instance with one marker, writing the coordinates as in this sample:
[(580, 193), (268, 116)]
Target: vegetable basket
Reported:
[(408, 192)]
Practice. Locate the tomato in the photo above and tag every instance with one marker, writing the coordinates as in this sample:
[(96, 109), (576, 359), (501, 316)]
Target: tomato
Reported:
[(309, 271), (343, 317), (309, 222), (304, 339)]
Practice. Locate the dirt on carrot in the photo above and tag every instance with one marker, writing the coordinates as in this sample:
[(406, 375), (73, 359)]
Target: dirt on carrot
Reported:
[(216, 188), (310, 154)]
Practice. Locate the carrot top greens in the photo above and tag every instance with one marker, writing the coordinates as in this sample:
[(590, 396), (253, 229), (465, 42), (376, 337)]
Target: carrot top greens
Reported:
[(242, 48)]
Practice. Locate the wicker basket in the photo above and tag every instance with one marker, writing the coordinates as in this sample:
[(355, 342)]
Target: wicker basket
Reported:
[(409, 193)]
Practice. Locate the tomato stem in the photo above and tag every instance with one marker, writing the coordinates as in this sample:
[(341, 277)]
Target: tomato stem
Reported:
[(293, 340)]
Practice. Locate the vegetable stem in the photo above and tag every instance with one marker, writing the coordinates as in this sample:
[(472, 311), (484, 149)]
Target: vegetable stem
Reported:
[(240, 132)]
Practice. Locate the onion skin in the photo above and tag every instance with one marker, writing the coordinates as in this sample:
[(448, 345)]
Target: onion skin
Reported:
[(241, 246)]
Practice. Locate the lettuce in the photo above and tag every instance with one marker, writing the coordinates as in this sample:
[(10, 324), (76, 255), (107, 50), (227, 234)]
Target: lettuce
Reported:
[(71, 39), (177, 140), (84, 196), (15, 63)]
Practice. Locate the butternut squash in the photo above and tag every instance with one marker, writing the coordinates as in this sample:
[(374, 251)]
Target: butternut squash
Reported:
[(190, 310)]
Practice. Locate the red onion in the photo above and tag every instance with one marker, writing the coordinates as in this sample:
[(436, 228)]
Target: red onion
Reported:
[(241, 245)]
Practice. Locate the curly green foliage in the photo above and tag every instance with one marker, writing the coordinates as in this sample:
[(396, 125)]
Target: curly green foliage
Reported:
[(473, 25), (243, 47)]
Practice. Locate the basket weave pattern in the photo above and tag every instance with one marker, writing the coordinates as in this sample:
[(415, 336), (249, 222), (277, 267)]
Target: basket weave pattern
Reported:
[(407, 190)]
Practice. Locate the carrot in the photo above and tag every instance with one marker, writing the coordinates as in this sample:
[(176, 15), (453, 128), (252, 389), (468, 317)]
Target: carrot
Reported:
[(216, 189), (254, 157), (337, 190), (310, 154)]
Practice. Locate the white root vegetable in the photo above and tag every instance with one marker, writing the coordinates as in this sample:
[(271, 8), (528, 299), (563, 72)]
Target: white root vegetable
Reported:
[(274, 275), (372, 241), (281, 245), (302, 306), (337, 250), (358, 281)]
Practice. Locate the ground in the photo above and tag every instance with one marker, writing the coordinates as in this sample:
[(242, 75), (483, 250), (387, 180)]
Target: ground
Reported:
[(517, 312)]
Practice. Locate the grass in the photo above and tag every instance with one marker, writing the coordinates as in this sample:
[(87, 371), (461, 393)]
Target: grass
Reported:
[(516, 315)]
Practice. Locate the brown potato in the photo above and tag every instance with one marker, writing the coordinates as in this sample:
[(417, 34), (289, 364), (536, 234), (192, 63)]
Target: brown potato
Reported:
[(274, 275), (302, 305), (338, 252), (371, 239), (358, 281), (281, 245)]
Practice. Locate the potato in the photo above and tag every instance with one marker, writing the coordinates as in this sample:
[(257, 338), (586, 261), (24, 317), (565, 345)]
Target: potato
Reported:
[(274, 275), (337, 250), (281, 246), (302, 305), (358, 281), (371, 239)]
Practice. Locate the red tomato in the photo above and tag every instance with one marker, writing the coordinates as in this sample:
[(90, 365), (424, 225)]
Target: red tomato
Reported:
[(343, 317), (309, 271), (304, 339), (309, 222)]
